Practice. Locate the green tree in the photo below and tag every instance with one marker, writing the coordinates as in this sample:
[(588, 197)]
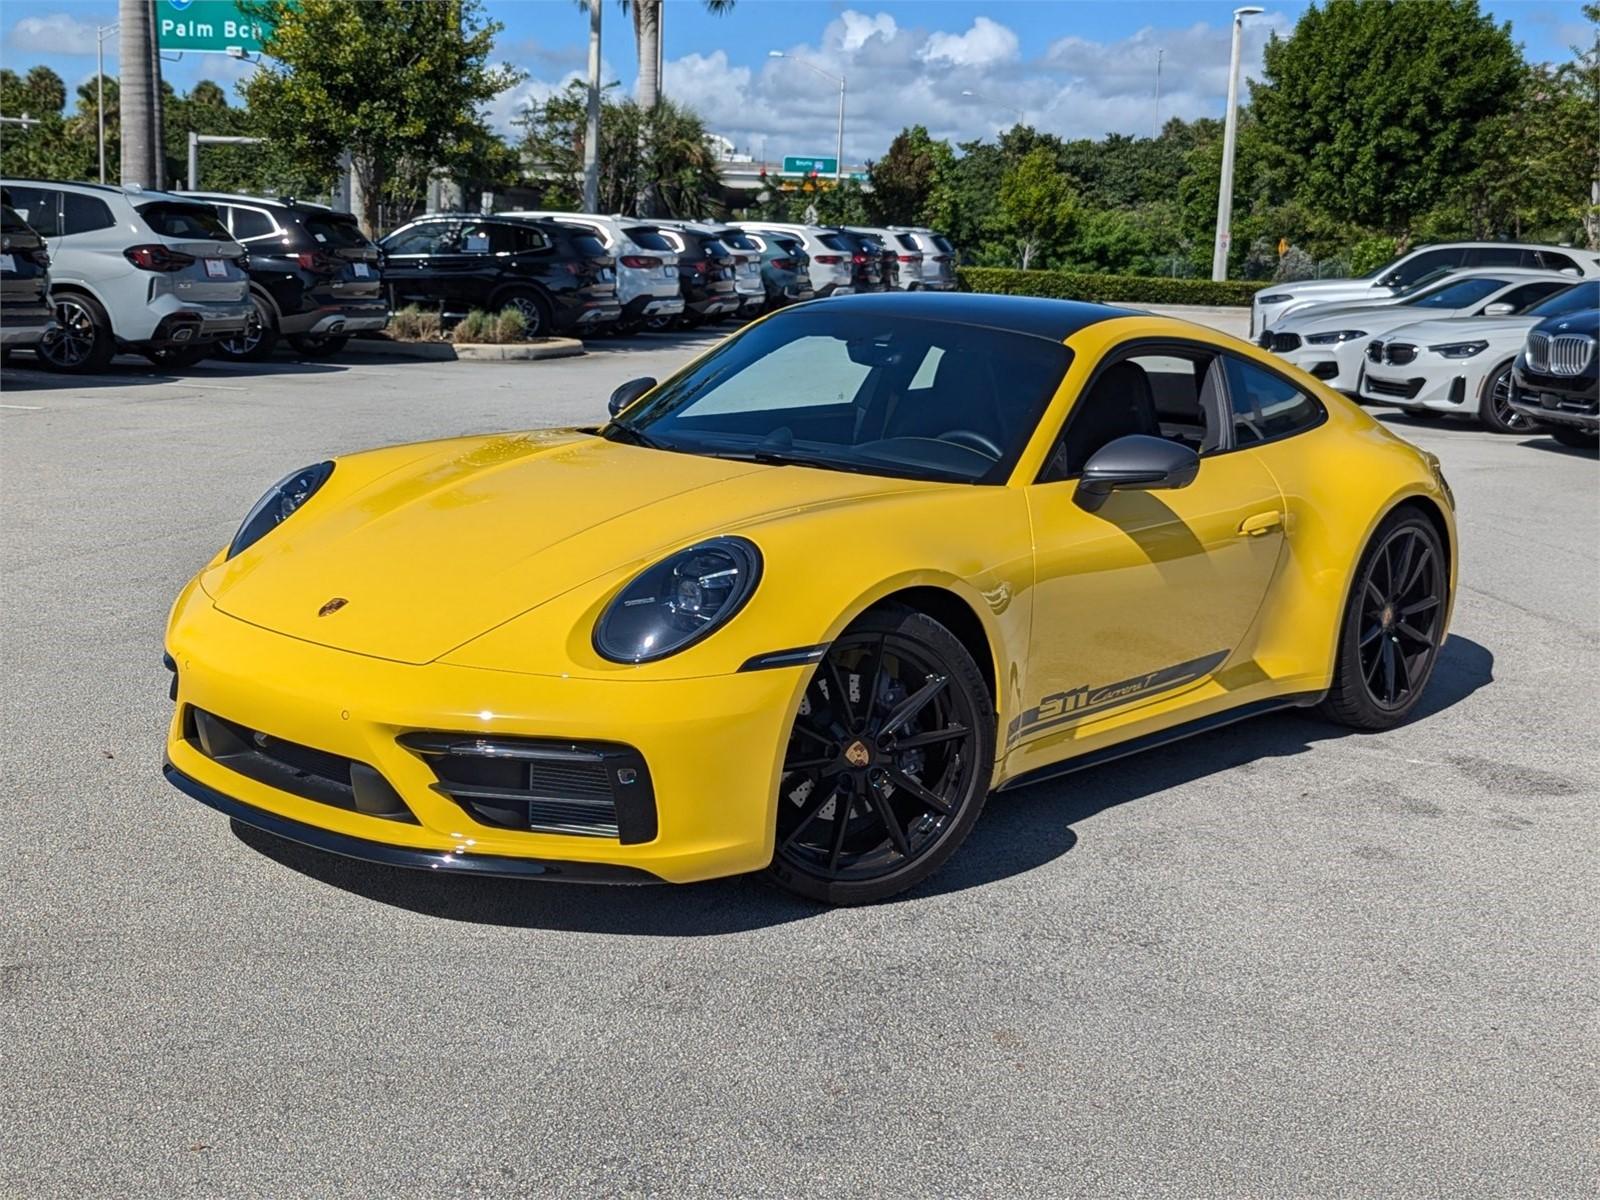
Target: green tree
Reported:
[(665, 145), (908, 182), (1377, 109), (1038, 202), (398, 83)]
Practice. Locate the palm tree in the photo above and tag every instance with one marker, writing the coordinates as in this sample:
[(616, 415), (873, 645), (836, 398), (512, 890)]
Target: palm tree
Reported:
[(647, 37)]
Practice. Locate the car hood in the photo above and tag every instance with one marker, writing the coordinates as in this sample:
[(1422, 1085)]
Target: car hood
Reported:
[(431, 546), (1493, 330), (1374, 319), (1308, 289)]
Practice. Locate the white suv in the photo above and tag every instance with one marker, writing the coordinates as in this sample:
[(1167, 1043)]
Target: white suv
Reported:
[(647, 263), (147, 272), (1276, 301), (831, 268), (938, 257)]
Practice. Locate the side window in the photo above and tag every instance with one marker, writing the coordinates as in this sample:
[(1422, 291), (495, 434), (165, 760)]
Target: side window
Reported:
[(1428, 261), (1265, 406), (39, 207), (1531, 293), (252, 223), (1496, 256), (1171, 392), (529, 241), (84, 214), (1551, 261), (432, 238)]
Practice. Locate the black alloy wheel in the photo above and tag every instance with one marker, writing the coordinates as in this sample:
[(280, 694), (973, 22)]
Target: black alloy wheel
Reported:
[(257, 339), (535, 313), (1393, 626), (82, 339), (1494, 408), (888, 764)]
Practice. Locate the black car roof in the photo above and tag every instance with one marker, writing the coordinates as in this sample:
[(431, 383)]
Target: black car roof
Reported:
[(1053, 319)]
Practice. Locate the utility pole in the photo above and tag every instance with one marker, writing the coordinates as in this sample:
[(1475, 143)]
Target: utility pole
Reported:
[(1230, 136), (135, 40), (591, 137), (158, 125)]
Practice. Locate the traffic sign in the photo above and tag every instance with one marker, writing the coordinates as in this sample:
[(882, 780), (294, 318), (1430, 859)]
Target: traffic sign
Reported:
[(208, 27), (810, 166)]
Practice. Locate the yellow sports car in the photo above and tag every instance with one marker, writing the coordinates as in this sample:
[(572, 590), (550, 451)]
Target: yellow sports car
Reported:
[(804, 605)]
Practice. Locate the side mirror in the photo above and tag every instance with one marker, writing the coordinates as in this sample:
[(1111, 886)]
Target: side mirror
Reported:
[(1137, 462), (1499, 309), (628, 393)]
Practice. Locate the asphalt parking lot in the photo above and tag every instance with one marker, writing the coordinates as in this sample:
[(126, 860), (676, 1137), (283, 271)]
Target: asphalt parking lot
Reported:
[(1282, 960)]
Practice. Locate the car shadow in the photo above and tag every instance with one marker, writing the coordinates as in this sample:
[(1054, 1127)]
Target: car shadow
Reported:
[(1018, 832), (26, 374), (1551, 446)]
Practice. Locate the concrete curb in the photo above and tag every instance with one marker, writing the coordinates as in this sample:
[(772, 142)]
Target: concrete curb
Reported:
[(467, 351)]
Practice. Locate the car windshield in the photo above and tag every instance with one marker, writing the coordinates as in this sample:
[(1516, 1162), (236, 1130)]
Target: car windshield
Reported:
[(1424, 283), (736, 240), (849, 390), (193, 221), (342, 232), (1457, 295), (647, 237), (833, 241), (1574, 299)]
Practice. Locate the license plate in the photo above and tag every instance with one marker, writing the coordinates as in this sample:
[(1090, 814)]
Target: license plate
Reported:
[(669, 272), (606, 274), (7, 263), (216, 268), (362, 272), (751, 268)]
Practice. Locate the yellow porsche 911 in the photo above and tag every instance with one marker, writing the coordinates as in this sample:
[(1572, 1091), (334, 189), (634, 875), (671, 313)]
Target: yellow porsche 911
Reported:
[(804, 605)]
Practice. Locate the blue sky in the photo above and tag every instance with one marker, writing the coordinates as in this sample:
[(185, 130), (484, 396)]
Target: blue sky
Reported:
[(1075, 67)]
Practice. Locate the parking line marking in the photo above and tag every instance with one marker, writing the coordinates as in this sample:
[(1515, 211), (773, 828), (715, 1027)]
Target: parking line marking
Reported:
[(221, 387), (24, 407)]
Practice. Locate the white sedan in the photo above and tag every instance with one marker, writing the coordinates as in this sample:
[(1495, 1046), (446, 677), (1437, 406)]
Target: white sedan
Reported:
[(1328, 341), (1461, 366)]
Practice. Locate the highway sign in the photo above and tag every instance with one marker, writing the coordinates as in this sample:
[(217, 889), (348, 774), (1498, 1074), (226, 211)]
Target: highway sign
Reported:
[(810, 166), (208, 27)]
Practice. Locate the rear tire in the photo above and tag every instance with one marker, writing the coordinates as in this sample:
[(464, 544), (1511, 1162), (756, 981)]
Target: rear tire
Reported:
[(84, 343), (1393, 624), (1494, 406), (259, 338), (326, 345), (1578, 439), (888, 764), (535, 310)]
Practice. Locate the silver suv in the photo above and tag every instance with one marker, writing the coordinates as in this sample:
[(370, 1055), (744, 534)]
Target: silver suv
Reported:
[(830, 267), (938, 256), (133, 270), (647, 263)]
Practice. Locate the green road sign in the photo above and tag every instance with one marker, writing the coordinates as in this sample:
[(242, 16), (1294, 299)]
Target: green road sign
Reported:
[(858, 176), (207, 27), (810, 166)]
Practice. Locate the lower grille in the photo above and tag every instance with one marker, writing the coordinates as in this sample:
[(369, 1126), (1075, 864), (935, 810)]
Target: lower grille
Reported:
[(1403, 389), (538, 785), (293, 768)]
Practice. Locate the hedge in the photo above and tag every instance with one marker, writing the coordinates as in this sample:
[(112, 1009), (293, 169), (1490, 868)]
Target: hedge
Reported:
[(1106, 289)]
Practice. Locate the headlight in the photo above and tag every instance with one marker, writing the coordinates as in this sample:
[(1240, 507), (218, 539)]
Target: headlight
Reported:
[(280, 503), (1335, 339), (1459, 349), (1273, 299), (678, 601)]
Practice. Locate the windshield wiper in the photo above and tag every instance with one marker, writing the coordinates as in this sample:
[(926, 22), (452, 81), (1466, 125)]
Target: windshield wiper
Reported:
[(627, 433), (776, 458)]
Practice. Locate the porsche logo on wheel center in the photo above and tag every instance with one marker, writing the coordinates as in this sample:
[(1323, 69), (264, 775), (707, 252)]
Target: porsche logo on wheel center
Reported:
[(857, 754)]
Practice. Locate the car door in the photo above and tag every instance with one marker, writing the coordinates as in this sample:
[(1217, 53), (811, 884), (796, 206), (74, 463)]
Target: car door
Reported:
[(414, 263), (1154, 592)]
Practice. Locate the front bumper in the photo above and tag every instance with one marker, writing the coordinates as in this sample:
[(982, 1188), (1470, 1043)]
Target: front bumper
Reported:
[(1421, 385), (713, 747), (1557, 400), (1337, 366)]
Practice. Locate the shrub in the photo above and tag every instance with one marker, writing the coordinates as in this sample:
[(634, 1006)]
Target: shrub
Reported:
[(1106, 289), (511, 326), (476, 326), (414, 324)]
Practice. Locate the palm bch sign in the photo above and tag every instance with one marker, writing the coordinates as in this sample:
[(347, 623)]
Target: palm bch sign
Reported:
[(208, 27)]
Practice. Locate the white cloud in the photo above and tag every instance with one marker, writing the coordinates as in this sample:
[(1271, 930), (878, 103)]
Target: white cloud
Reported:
[(58, 33), (988, 43), (856, 28)]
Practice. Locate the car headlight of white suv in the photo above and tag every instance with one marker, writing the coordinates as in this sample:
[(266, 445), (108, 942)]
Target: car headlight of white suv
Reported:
[(1459, 349), (1335, 339)]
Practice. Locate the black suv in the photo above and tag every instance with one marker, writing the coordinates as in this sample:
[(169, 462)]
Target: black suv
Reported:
[(1556, 378), (707, 270), (561, 278), (25, 313), (867, 255), (315, 279)]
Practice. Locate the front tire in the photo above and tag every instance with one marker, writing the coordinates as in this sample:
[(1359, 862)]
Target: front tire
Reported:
[(83, 343), (888, 764), (1393, 624), (1494, 406)]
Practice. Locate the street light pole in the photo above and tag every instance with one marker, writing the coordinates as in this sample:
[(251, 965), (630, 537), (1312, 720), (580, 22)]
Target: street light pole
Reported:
[(838, 161), (1219, 251)]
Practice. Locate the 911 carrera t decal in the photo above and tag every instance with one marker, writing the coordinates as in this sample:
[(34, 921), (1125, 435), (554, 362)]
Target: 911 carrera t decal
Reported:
[(1061, 707)]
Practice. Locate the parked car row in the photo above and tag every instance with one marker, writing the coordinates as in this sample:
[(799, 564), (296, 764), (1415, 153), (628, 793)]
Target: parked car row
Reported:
[(1509, 344)]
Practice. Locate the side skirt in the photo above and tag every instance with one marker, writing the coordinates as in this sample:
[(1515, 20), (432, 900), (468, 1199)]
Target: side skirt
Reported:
[(1151, 740)]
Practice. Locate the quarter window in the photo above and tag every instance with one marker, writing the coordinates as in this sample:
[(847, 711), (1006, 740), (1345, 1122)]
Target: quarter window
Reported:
[(84, 214), (1266, 406), (252, 223)]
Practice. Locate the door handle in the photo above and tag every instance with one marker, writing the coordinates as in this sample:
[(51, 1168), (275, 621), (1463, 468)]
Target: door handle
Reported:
[(1260, 523)]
